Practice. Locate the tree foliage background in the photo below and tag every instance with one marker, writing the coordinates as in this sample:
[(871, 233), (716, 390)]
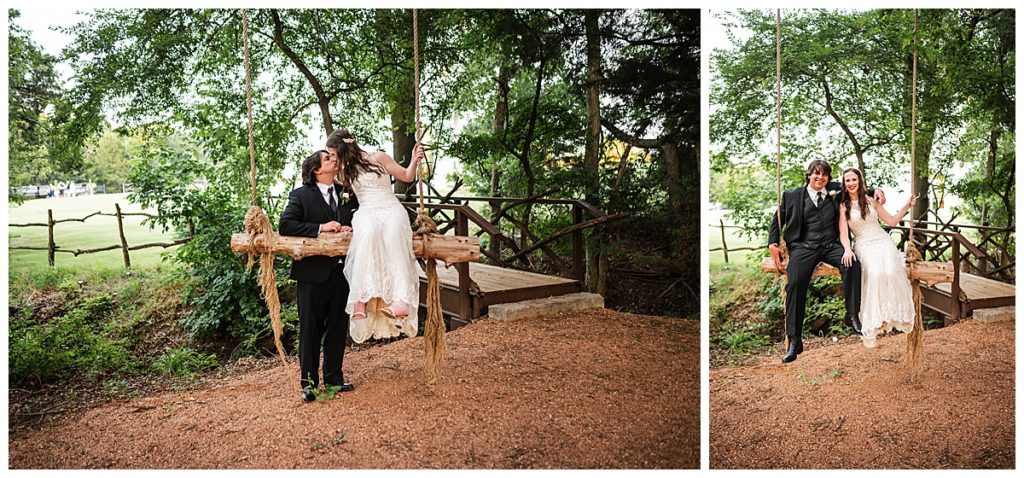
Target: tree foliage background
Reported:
[(846, 98)]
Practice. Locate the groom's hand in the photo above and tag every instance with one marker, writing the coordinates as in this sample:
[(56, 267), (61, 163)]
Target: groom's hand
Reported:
[(776, 256), (333, 226), (879, 197)]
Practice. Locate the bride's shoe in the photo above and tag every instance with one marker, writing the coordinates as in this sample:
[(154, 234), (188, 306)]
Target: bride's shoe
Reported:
[(359, 313), (396, 316)]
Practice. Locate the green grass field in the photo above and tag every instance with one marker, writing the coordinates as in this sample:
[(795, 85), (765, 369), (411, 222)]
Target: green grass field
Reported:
[(732, 237), (97, 231)]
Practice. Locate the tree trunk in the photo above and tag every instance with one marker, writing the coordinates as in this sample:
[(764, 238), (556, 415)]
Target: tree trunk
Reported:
[(322, 99), (596, 279), (920, 172), (673, 176), (500, 118), (403, 125)]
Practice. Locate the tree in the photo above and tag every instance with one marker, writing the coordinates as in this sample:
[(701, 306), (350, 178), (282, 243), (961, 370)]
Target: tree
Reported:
[(106, 162), (32, 88), (847, 85)]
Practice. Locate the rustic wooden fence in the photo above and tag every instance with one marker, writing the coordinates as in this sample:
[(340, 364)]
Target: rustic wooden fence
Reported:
[(722, 226), (52, 248)]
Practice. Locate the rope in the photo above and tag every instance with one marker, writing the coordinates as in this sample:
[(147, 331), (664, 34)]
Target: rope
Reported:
[(913, 142), (248, 106), (778, 155), (434, 349), (256, 222), (915, 339)]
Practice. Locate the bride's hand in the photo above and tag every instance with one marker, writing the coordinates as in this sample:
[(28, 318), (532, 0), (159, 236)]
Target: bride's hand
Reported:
[(911, 201), (417, 152), (848, 258)]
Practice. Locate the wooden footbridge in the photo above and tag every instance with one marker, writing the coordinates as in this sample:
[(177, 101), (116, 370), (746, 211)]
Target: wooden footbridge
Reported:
[(510, 273), (984, 274)]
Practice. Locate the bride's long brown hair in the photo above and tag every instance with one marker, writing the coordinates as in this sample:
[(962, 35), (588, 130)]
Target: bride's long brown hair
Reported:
[(351, 158), (862, 194)]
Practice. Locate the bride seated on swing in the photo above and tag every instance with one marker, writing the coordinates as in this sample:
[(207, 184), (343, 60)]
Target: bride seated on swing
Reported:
[(381, 267)]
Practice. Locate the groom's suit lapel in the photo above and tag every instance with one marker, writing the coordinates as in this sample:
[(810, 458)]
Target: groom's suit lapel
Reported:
[(319, 200), (798, 207)]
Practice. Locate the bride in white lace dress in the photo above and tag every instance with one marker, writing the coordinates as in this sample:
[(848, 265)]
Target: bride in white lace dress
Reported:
[(886, 299), (380, 267)]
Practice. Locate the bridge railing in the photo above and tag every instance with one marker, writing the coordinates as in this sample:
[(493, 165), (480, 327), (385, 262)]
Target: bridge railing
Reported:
[(516, 249)]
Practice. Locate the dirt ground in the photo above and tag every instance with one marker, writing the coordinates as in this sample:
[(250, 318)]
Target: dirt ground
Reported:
[(592, 389), (847, 406)]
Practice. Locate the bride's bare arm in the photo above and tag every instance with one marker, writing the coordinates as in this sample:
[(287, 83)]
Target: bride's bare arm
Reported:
[(407, 174), (844, 238), (889, 219)]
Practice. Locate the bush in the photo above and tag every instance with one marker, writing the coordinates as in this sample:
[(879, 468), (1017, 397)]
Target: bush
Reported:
[(67, 345), (184, 362), (743, 341)]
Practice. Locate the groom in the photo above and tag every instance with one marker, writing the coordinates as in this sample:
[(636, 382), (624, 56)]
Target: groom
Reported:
[(810, 217), (322, 290)]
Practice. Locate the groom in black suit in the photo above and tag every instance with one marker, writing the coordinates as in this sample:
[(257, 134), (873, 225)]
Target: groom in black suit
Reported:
[(810, 217), (313, 209)]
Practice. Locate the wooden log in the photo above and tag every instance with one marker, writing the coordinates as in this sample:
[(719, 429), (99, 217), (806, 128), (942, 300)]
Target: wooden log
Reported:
[(450, 249), (51, 246), (124, 242), (822, 270), (929, 272)]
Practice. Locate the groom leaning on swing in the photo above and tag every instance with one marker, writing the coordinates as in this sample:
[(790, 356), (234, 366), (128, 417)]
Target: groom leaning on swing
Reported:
[(318, 207), (810, 219)]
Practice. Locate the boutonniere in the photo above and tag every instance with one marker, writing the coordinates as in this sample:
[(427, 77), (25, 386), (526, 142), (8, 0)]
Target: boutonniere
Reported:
[(344, 196), (832, 193)]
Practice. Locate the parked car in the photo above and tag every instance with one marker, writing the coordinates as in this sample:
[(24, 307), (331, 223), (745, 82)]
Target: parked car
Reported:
[(33, 192)]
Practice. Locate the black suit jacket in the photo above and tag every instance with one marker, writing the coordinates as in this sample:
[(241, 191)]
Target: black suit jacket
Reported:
[(792, 212), (305, 212)]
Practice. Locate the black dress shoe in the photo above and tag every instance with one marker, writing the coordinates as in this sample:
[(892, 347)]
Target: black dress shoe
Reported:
[(795, 347), (855, 321), (342, 387), (307, 395)]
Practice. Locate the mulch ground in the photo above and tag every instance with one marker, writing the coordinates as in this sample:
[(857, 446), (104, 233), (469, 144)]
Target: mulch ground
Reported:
[(846, 406), (591, 389)]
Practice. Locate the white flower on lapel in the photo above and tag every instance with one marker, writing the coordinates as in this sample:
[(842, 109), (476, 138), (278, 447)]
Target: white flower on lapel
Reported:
[(832, 193)]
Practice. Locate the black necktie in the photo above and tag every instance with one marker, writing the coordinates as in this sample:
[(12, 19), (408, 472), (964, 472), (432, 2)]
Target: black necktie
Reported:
[(821, 195), (332, 202)]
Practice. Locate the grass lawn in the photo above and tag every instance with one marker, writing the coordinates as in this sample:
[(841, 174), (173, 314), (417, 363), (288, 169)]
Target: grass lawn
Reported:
[(97, 231), (732, 238)]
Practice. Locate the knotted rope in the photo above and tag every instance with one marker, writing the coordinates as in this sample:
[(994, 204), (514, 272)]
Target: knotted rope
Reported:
[(434, 348), (256, 222)]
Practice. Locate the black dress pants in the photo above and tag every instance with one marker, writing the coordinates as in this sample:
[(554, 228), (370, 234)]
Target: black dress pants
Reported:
[(323, 321), (802, 261)]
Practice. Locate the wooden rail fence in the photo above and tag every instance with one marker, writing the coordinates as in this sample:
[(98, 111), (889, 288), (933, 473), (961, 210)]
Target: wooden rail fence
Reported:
[(725, 245), (52, 248)]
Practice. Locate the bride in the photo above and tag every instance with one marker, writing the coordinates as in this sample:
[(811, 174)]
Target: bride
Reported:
[(886, 298), (381, 269)]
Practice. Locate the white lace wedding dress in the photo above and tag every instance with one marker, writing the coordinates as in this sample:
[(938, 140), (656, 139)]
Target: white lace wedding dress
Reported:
[(380, 261), (886, 299)]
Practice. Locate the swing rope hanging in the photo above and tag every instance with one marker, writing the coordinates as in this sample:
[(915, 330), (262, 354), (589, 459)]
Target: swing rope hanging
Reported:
[(918, 270), (256, 222), (434, 349), (260, 241)]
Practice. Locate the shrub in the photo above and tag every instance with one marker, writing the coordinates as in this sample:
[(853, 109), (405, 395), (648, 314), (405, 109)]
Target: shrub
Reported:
[(69, 344), (184, 362)]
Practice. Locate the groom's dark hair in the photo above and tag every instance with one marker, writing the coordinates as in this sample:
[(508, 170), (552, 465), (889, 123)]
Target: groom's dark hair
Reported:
[(818, 165), (309, 167)]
